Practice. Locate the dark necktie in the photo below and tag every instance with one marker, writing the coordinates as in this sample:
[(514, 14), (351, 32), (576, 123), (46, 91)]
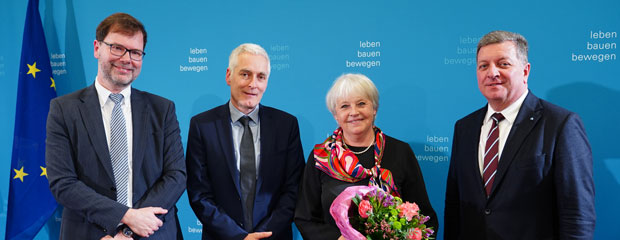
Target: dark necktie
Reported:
[(118, 149), (247, 173), (491, 153)]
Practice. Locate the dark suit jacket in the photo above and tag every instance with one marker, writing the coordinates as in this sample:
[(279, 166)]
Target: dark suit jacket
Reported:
[(80, 170), (543, 187), (213, 178)]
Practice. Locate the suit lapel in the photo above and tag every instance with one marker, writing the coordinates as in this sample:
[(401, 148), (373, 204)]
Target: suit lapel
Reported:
[(90, 111), (528, 116), (474, 131), (224, 135), (267, 138), (139, 115)]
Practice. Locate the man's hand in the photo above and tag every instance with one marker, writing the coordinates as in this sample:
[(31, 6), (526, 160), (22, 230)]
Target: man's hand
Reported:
[(258, 235), (118, 236), (143, 221)]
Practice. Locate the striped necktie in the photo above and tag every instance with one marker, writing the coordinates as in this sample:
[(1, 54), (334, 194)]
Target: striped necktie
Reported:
[(491, 153), (118, 149)]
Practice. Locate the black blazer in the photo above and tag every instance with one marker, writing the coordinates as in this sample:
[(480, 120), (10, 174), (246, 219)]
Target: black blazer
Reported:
[(80, 170), (213, 179), (543, 187)]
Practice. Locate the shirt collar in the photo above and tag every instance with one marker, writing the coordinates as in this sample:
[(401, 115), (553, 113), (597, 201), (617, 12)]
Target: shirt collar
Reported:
[(510, 113), (235, 114), (104, 94)]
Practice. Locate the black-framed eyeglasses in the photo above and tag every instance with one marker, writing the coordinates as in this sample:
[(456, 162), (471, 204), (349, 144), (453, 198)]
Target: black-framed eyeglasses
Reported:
[(119, 51)]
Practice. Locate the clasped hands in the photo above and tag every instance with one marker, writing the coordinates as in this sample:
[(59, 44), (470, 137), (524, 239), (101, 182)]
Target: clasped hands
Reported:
[(142, 221)]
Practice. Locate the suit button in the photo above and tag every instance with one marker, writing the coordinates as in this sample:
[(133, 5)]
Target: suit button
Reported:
[(487, 211)]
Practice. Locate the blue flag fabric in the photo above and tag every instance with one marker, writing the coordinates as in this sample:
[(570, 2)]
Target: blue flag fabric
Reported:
[(30, 201)]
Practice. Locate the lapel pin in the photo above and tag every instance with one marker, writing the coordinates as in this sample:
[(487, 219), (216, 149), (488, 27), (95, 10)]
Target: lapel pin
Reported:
[(531, 118)]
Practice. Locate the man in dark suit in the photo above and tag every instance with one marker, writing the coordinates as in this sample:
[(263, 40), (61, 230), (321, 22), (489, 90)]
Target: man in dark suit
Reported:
[(244, 159), (521, 167), (114, 154)]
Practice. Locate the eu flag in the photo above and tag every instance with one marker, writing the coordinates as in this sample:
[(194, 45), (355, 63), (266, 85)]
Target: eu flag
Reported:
[(30, 201)]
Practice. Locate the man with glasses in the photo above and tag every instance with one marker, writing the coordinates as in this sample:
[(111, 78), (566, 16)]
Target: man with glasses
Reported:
[(114, 154)]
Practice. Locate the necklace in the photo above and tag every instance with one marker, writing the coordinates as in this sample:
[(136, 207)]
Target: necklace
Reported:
[(360, 152)]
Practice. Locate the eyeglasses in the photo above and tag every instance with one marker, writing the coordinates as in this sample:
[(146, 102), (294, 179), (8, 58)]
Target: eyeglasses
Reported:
[(119, 51)]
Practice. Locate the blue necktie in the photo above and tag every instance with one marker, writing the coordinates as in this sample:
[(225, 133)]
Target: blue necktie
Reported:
[(118, 149)]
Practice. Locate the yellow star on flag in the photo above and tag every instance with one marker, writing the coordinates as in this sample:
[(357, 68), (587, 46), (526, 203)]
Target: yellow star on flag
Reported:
[(32, 69), (53, 84), (43, 171), (20, 174)]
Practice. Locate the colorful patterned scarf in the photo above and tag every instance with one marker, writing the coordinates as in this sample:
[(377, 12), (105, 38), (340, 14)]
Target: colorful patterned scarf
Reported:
[(340, 163)]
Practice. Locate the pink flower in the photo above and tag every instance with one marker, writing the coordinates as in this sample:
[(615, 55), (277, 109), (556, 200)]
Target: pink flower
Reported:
[(364, 208), (415, 234), (409, 210)]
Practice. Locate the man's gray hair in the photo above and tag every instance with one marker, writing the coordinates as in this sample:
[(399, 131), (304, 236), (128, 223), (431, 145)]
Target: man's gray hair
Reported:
[(502, 36), (246, 48)]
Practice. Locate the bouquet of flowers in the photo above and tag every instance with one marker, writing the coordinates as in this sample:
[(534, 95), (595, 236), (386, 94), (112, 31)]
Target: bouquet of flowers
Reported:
[(376, 214)]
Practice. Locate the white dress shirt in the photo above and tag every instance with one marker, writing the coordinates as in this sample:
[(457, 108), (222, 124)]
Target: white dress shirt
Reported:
[(510, 114), (106, 113)]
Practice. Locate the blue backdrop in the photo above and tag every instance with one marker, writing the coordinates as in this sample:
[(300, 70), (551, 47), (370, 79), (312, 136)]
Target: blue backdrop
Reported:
[(421, 56)]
